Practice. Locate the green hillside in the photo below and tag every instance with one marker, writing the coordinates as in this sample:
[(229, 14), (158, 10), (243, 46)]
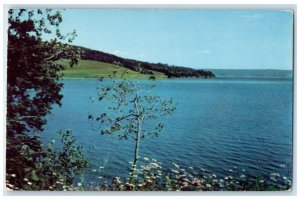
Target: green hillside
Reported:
[(147, 68), (96, 69)]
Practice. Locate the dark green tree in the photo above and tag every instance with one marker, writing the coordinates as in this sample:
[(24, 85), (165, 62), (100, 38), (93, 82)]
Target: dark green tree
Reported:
[(32, 80), (129, 106), (33, 84)]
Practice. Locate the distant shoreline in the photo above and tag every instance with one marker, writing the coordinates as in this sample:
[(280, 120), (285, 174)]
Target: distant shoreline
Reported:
[(200, 79), (247, 74)]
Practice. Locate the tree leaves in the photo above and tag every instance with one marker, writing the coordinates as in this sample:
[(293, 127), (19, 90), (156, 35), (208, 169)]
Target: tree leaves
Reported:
[(32, 66), (122, 114), (33, 86)]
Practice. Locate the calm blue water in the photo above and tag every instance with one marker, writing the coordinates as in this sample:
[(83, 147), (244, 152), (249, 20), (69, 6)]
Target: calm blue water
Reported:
[(218, 125)]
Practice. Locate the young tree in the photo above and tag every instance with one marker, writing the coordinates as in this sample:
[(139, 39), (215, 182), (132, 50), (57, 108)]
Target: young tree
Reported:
[(33, 84), (129, 107)]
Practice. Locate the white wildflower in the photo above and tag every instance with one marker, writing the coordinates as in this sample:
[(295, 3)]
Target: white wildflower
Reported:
[(175, 171), (177, 166)]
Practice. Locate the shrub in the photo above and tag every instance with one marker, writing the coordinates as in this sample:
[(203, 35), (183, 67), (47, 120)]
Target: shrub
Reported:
[(47, 168)]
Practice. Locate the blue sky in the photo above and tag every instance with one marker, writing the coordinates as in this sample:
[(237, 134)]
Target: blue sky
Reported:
[(193, 38)]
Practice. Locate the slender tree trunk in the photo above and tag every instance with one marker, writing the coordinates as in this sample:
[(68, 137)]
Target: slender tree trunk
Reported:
[(136, 153), (137, 140)]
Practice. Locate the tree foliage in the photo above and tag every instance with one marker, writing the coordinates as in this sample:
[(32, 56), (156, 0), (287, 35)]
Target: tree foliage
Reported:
[(35, 44), (32, 80), (43, 167), (129, 107)]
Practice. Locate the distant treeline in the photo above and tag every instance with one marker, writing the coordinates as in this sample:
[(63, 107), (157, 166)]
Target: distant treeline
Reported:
[(145, 67)]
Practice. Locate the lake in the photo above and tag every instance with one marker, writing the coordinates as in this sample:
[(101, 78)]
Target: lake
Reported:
[(219, 125)]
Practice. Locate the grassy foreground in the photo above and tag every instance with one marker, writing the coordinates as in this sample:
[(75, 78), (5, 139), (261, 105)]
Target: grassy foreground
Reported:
[(96, 69)]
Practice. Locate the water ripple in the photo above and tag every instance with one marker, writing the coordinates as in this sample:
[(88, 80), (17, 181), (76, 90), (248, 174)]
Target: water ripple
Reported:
[(217, 125)]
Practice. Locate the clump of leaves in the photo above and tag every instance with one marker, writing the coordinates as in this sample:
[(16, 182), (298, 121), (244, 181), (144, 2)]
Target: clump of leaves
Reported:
[(47, 169)]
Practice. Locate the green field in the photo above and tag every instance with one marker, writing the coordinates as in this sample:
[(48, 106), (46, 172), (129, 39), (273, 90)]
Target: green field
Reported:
[(95, 69)]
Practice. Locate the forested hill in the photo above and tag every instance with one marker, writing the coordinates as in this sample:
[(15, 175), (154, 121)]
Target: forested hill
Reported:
[(145, 67)]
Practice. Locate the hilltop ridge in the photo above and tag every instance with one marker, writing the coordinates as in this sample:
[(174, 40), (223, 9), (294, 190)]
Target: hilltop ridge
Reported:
[(146, 68)]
